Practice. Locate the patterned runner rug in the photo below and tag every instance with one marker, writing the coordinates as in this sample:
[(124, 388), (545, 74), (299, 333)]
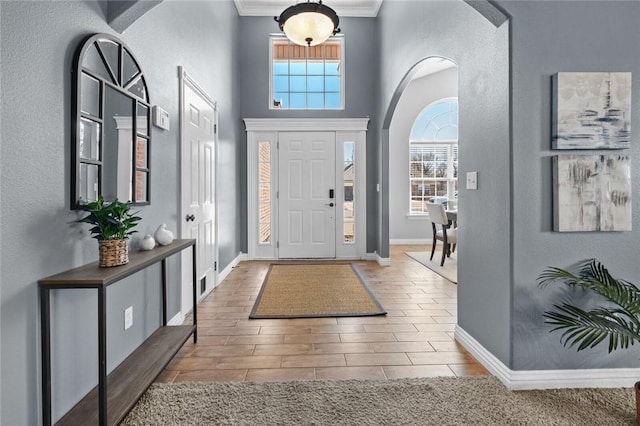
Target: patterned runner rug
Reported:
[(314, 290)]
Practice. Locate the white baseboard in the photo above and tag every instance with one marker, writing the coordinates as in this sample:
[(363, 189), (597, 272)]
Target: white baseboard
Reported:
[(178, 319), (409, 241), (547, 379), (382, 261), (226, 271), (206, 293)]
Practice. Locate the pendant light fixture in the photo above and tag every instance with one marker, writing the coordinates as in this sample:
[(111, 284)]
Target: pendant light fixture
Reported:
[(308, 23)]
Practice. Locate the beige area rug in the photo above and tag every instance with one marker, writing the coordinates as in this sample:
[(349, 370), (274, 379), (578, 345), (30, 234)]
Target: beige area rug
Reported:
[(448, 271), (437, 401), (314, 290)]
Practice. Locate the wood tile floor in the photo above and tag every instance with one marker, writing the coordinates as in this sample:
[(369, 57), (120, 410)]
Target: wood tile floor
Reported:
[(415, 338)]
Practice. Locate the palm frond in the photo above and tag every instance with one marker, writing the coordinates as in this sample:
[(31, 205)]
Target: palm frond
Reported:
[(620, 292), (587, 329), (618, 321)]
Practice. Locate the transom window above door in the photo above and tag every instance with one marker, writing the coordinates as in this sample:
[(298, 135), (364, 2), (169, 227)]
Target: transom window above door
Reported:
[(307, 77), (433, 156)]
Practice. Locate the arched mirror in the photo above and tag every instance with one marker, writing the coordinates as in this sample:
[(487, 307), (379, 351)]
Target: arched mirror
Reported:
[(111, 138)]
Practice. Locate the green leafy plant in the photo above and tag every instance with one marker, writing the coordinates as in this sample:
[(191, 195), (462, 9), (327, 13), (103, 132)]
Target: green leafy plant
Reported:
[(111, 220), (618, 320)]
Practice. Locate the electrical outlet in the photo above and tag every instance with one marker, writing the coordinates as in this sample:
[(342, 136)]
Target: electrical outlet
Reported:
[(128, 318)]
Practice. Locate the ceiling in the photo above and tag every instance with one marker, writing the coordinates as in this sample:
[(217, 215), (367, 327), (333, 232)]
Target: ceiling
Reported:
[(357, 8)]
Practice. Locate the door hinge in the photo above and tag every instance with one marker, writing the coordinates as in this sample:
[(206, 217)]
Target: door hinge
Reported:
[(277, 195), (215, 266), (277, 244), (215, 128)]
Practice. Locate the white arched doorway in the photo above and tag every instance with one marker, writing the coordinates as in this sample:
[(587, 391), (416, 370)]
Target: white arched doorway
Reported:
[(435, 81), (475, 35)]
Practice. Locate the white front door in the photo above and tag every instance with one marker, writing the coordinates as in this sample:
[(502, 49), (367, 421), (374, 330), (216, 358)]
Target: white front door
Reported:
[(198, 204), (306, 195)]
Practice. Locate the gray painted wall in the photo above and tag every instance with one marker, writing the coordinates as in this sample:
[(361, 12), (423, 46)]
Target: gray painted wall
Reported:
[(39, 40), (361, 65), (37, 239), (1, 191), (420, 93), (576, 36), (456, 31)]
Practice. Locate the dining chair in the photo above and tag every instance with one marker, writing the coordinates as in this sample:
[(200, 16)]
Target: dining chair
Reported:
[(446, 234), (452, 204)]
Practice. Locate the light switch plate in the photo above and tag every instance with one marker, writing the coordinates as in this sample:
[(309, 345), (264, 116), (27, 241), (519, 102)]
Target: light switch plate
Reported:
[(160, 117), (472, 180)]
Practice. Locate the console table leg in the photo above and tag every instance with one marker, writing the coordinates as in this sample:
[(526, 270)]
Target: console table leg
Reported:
[(164, 292), (45, 333), (195, 292), (102, 355)]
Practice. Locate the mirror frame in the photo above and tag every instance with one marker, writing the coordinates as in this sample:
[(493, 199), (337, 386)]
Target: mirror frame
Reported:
[(123, 87)]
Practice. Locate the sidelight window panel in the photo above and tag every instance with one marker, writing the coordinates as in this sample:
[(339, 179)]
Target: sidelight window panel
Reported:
[(264, 192), (348, 209)]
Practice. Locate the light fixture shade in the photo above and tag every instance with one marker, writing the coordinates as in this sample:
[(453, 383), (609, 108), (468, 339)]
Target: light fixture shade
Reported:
[(308, 24)]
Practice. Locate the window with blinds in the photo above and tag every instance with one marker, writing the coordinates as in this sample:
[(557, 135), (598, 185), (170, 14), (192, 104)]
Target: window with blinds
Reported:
[(433, 156), (304, 77)]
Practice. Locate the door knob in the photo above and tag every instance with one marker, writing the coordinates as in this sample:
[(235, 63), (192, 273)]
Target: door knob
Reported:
[(190, 217), (330, 204)]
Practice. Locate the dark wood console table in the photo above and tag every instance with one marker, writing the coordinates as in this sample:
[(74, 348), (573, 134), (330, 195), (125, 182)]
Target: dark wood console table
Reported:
[(129, 380)]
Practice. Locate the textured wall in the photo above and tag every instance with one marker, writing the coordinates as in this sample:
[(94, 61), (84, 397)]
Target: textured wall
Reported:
[(361, 65), (420, 93), (576, 36), (39, 40), (456, 31), (1, 171)]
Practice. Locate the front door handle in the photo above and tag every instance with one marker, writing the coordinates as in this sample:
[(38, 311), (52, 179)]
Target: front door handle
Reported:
[(191, 217), (330, 204)]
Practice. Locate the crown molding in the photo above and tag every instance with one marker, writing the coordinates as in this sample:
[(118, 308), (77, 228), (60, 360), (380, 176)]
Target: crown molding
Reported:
[(352, 8)]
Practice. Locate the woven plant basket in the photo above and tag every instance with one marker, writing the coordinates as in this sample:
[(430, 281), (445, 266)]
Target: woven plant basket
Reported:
[(113, 252)]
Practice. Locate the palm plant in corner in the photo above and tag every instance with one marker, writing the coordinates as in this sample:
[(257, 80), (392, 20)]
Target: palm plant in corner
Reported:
[(112, 222), (617, 321)]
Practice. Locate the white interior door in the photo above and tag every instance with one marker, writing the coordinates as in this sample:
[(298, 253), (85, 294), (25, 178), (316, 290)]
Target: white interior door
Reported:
[(306, 195), (198, 204)]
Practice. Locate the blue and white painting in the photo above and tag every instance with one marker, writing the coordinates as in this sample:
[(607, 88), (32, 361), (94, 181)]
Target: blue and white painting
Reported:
[(592, 193), (591, 110)]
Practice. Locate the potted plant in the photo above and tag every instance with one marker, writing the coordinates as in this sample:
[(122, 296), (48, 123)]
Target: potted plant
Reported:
[(112, 224), (617, 321)]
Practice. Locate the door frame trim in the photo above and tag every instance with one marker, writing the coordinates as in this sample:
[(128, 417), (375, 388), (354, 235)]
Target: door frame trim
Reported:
[(305, 124), (186, 80), (267, 129)]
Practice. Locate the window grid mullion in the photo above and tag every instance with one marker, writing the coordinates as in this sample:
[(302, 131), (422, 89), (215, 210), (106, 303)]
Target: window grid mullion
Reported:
[(312, 92)]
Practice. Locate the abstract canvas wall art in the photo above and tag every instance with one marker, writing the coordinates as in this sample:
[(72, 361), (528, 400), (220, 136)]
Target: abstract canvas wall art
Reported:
[(592, 193), (591, 110)]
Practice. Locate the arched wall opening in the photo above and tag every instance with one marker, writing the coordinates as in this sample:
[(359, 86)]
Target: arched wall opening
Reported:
[(477, 40), (435, 80)]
